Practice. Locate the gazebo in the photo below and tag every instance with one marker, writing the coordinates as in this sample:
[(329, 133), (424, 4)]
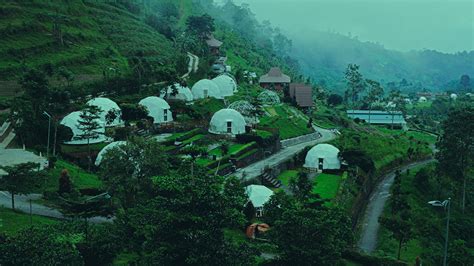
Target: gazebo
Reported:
[(323, 157), (227, 121), (226, 83), (246, 109), (106, 106), (72, 121), (206, 88), (158, 109)]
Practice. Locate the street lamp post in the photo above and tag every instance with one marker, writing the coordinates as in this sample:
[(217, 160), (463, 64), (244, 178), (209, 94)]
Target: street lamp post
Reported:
[(49, 131), (447, 206)]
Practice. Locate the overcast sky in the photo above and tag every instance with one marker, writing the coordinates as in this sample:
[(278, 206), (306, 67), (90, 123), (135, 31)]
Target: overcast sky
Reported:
[(443, 25)]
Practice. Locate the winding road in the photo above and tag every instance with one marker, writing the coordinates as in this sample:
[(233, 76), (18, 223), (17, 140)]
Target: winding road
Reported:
[(256, 169), (370, 226)]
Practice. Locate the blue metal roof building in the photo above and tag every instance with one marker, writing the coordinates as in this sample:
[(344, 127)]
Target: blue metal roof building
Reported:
[(378, 117)]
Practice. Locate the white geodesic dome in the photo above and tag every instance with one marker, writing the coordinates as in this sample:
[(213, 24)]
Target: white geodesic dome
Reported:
[(227, 121), (106, 105), (72, 121), (182, 93), (268, 98), (107, 148), (206, 88), (158, 109), (453, 96), (226, 83), (422, 99), (258, 195), (246, 109), (322, 157)]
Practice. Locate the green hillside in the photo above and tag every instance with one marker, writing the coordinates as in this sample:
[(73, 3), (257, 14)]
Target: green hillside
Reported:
[(94, 38)]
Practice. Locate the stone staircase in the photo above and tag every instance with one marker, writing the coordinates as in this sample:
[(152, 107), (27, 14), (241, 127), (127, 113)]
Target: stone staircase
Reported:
[(268, 178)]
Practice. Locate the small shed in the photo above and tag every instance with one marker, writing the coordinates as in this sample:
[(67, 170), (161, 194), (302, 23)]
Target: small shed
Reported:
[(107, 148), (206, 88), (259, 195), (72, 121), (158, 109), (323, 157), (227, 121), (214, 45), (107, 106)]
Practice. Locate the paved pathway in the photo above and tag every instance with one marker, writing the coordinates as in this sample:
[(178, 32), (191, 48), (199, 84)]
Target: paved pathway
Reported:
[(370, 225), (22, 203), (256, 169), (193, 65)]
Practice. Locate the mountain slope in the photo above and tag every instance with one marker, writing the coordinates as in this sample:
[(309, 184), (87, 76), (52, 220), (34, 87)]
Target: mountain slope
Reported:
[(84, 36), (324, 56)]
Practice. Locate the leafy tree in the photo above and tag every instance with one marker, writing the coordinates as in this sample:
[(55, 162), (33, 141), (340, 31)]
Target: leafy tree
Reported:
[(301, 187), (465, 82), (194, 152), (41, 246), (236, 198), (460, 254), (275, 207), (334, 99), (311, 237), (89, 125), (20, 179), (456, 147), (249, 211), (355, 82), (183, 224), (400, 227), (65, 184), (132, 112), (127, 170), (201, 26)]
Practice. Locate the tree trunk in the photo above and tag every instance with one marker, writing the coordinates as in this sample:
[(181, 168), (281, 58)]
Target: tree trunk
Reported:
[(464, 194), (13, 200), (55, 137), (89, 154), (399, 248)]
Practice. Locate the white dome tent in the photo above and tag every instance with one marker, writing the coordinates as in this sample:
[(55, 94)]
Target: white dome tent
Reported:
[(107, 148), (258, 195), (246, 109), (158, 109), (422, 99), (106, 105), (268, 98), (227, 121), (453, 96), (72, 121), (227, 84), (323, 157), (182, 93), (206, 88)]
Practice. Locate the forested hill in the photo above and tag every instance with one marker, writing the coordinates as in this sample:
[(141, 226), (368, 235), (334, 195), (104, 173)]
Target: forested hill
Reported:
[(88, 38), (324, 56)]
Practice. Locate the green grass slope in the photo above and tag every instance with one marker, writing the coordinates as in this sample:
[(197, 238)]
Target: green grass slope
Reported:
[(96, 37)]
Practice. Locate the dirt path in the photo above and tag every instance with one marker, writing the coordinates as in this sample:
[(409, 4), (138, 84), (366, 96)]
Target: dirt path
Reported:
[(370, 226)]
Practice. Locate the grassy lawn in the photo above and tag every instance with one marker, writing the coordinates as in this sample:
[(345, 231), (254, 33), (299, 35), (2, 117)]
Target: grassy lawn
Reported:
[(14, 221), (290, 126), (193, 139), (286, 176), (327, 185), (79, 177), (415, 135)]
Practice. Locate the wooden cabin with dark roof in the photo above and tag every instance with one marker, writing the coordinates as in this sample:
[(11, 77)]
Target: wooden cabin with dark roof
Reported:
[(275, 79), (301, 94)]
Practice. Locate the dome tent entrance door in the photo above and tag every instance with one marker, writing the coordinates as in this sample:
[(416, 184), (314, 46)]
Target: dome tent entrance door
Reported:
[(229, 126), (320, 164)]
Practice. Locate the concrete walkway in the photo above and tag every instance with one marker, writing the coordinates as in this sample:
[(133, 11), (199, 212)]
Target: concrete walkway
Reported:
[(193, 65), (22, 203), (256, 169)]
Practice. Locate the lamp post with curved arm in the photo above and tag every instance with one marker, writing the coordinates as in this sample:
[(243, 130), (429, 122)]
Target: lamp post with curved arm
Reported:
[(447, 206)]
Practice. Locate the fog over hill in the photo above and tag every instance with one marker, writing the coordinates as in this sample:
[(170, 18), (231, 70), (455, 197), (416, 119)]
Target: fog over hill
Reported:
[(428, 43)]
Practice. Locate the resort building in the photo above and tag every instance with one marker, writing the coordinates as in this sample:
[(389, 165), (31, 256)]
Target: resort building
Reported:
[(275, 79), (378, 117)]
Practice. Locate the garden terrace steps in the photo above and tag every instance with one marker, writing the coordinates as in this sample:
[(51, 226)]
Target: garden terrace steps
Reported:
[(270, 179)]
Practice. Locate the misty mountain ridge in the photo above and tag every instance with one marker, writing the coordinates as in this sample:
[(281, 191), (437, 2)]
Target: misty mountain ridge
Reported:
[(323, 56)]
